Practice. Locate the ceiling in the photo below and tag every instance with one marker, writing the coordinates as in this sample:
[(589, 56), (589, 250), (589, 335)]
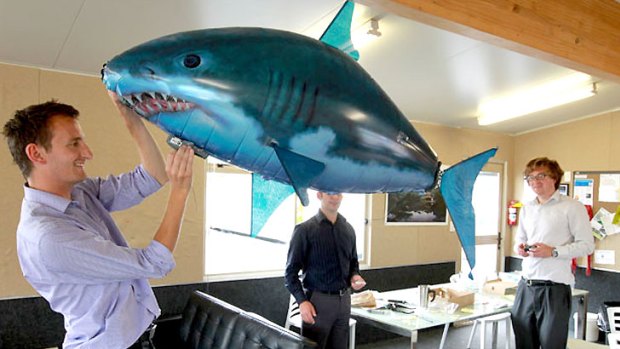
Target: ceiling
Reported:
[(432, 75)]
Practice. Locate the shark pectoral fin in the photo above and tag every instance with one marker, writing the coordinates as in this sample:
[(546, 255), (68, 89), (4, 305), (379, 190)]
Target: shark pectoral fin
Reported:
[(457, 186), (338, 33), (301, 171), (267, 195)]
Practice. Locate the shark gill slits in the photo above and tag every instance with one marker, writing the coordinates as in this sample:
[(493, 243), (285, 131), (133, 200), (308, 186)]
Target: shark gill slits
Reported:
[(191, 61), (270, 109), (287, 100), (298, 111), (312, 110)]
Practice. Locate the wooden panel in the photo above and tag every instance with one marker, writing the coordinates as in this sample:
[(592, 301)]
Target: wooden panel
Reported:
[(582, 35)]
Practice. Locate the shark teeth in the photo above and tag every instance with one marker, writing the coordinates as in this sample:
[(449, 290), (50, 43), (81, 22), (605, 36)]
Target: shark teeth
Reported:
[(150, 103)]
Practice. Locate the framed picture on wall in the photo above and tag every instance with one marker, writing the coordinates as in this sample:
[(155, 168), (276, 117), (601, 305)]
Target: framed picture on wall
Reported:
[(420, 207), (563, 188)]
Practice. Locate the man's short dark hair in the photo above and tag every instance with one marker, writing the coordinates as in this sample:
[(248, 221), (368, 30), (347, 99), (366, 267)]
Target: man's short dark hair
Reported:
[(31, 125)]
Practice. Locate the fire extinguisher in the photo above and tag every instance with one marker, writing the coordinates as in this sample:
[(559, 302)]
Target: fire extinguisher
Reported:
[(513, 212)]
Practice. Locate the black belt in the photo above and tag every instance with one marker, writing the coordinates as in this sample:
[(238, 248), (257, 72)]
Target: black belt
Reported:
[(335, 293), (541, 283)]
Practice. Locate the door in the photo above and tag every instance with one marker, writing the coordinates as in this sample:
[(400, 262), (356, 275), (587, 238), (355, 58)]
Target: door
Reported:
[(488, 202)]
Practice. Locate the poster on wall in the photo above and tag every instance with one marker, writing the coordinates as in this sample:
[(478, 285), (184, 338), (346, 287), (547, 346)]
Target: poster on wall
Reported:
[(420, 207), (609, 187), (583, 190)]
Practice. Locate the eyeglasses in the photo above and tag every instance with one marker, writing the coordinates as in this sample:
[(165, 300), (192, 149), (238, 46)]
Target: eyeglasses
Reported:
[(538, 177)]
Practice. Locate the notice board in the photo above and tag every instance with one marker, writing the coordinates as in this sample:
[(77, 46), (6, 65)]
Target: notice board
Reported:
[(597, 201), (603, 193)]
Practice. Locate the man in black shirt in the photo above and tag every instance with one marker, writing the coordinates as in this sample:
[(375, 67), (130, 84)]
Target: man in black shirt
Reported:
[(323, 248)]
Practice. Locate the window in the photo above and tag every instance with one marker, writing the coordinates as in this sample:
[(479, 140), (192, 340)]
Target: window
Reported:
[(229, 249)]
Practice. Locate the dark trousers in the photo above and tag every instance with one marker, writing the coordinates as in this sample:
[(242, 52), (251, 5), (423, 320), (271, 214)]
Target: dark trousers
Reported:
[(331, 327), (540, 316)]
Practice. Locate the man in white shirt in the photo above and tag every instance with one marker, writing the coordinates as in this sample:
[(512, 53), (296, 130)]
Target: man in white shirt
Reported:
[(553, 229)]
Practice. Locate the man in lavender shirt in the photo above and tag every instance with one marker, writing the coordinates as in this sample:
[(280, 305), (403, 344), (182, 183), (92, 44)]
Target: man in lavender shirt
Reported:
[(69, 248)]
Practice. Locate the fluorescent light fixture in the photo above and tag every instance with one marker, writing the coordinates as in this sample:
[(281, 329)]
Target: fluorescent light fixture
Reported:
[(366, 33), (551, 94)]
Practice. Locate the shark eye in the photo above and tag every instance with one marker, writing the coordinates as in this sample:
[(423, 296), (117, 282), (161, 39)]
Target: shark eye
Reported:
[(191, 61)]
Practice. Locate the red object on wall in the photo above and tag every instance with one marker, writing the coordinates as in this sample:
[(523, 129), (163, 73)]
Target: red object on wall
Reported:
[(590, 211), (513, 212)]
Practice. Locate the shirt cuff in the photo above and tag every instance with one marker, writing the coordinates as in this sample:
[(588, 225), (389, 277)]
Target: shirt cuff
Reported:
[(160, 256)]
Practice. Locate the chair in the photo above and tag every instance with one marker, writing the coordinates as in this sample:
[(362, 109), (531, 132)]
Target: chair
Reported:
[(614, 340), (494, 320), (613, 316), (293, 318)]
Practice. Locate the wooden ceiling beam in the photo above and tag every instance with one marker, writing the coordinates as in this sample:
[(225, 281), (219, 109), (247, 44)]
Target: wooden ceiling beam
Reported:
[(577, 34)]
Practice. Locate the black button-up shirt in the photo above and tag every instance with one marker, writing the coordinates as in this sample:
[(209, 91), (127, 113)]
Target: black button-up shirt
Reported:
[(325, 253)]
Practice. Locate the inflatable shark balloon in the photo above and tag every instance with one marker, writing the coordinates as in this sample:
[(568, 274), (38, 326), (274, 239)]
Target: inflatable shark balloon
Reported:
[(290, 109)]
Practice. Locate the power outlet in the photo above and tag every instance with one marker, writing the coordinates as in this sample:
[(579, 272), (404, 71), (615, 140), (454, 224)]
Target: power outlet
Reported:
[(605, 257)]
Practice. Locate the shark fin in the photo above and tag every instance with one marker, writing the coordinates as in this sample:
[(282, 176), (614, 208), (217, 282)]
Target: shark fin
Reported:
[(301, 171), (338, 33), (267, 195), (457, 186)]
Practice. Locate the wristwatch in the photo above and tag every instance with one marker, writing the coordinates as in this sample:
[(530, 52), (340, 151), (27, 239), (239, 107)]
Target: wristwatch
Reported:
[(554, 252)]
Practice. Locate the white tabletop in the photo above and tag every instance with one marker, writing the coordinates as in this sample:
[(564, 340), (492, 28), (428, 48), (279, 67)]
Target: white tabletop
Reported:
[(436, 314)]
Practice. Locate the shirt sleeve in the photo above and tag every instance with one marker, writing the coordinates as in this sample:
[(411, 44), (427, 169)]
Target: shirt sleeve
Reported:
[(78, 256), (355, 266), (295, 263), (126, 190), (579, 225)]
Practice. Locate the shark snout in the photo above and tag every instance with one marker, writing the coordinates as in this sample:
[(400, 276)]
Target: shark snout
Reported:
[(107, 77), (103, 72)]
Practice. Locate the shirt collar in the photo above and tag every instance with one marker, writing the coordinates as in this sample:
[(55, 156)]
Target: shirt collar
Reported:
[(320, 216), (44, 198)]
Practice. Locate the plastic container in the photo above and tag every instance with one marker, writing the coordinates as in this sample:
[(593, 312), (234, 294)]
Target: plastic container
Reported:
[(591, 329)]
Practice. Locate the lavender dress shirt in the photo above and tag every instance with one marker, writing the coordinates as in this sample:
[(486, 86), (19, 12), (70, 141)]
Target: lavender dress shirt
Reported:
[(74, 255)]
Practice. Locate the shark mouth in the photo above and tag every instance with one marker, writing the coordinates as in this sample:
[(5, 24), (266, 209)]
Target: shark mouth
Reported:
[(147, 104)]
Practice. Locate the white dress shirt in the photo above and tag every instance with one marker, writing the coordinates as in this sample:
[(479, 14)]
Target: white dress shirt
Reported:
[(561, 222)]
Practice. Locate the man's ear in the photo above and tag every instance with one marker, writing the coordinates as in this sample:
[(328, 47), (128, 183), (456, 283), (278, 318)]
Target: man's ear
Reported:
[(35, 154)]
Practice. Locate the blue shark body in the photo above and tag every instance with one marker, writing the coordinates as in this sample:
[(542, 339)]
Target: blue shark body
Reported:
[(287, 107), (258, 91)]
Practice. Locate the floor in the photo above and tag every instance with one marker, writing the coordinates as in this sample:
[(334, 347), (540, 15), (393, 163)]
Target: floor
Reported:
[(457, 339)]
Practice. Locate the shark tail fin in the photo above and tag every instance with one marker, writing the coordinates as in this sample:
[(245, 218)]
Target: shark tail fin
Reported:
[(457, 186), (338, 33)]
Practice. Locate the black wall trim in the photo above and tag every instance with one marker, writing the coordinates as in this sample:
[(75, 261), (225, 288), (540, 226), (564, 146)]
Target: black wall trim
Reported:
[(30, 323)]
